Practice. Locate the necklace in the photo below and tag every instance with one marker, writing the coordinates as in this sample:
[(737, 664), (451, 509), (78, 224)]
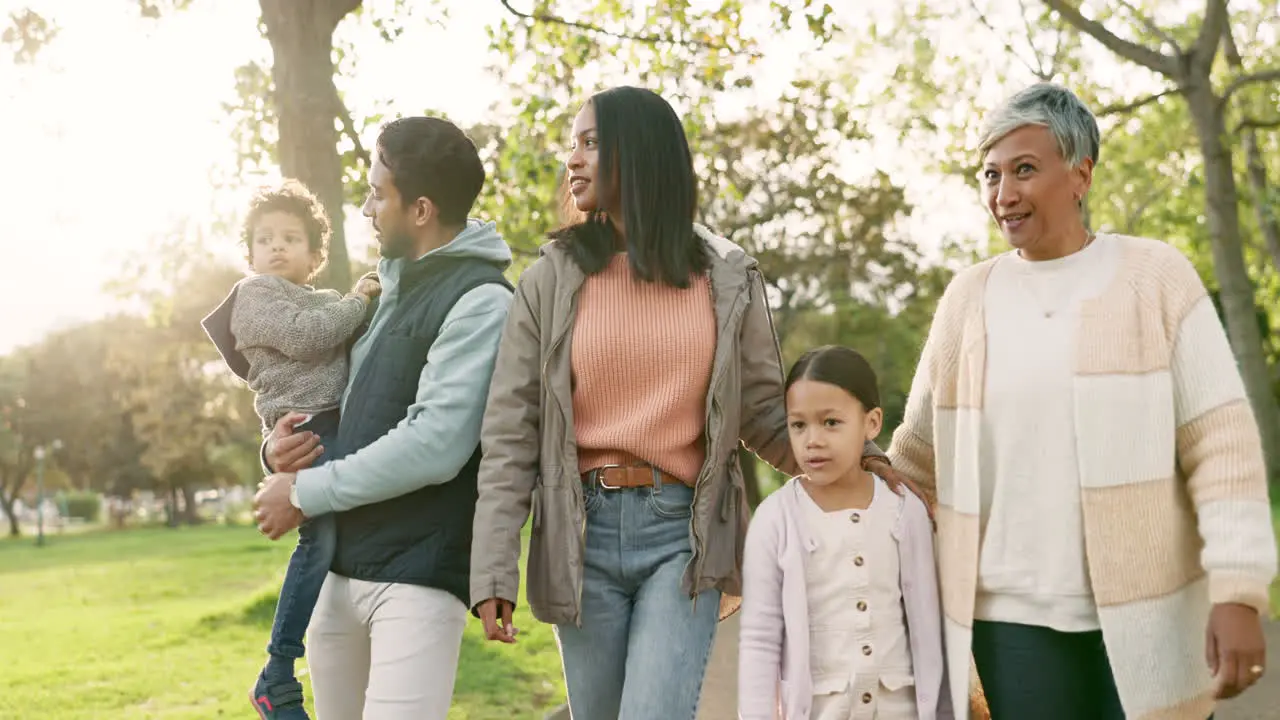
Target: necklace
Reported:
[(1087, 242), (1066, 298)]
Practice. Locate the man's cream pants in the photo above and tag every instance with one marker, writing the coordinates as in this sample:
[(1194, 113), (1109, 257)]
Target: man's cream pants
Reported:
[(383, 651)]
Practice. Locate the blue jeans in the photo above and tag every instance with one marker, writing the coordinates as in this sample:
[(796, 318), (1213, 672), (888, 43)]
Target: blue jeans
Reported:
[(643, 646), (309, 564)]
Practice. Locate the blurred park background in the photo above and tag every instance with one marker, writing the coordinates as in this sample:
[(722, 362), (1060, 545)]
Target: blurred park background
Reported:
[(835, 141)]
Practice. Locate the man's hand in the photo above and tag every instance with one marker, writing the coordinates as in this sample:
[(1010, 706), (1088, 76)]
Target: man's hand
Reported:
[(490, 612), (272, 509), (289, 451), (1235, 649)]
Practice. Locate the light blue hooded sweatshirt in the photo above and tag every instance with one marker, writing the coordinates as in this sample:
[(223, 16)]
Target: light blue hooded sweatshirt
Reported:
[(441, 428)]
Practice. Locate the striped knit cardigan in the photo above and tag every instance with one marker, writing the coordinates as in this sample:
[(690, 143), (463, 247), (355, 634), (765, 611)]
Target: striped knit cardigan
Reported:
[(1173, 484)]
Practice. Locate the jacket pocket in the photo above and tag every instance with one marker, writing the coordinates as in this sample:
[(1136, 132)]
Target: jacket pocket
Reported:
[(830, 684), (896, 681), (535, 504), (550, 583), (730, 493)]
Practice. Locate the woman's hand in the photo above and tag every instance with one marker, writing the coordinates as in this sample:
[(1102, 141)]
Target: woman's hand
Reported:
[(896, 480), (1235, 649), (490, 612), (289, 451)]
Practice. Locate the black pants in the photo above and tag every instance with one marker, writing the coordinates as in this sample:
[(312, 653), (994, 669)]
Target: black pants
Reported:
[(1035, 673)]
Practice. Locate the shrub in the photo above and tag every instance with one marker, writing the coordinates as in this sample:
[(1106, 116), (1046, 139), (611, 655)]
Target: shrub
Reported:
[(84, 505)]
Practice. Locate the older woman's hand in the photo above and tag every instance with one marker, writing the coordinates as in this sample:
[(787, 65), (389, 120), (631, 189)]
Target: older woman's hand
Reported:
[(1235, 648), (896, 480)]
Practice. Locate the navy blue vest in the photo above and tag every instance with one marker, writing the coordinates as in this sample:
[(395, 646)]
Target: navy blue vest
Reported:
[(424, 537)]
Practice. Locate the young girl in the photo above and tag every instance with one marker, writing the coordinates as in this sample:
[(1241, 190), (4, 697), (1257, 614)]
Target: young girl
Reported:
[(841, 616), (288, 341)]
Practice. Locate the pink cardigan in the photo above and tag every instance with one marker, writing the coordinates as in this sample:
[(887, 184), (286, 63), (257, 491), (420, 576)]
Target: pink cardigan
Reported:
[(773, 652)]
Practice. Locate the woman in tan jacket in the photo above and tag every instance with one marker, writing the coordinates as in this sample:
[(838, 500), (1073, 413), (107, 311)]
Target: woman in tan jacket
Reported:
[(638, 353)]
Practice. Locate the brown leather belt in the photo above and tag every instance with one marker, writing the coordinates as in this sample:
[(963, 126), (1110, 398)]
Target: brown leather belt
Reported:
[(618, 477)]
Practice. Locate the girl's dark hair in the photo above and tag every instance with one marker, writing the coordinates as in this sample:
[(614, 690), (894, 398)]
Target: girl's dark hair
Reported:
[(292, 197), (646, 174), (839, 366)]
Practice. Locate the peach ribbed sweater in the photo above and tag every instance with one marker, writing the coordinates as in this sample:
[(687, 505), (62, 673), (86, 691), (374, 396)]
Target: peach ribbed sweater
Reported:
[(641, 358)]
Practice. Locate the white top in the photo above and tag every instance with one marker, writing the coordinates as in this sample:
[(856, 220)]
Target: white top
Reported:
[(860, 659), (1032, 567)]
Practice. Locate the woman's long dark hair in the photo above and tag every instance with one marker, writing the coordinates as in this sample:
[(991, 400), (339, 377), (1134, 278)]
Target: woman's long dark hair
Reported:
[(646, 172)]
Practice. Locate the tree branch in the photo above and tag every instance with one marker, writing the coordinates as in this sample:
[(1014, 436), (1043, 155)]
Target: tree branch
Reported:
[(1151, 26), (596, 29), (1211, 31), (335, 10), (1043, 74), (349, 129), (1229, 48), (1037, 69), (1256, 124), (1270, 75), (1131, 51), (1126, 108)]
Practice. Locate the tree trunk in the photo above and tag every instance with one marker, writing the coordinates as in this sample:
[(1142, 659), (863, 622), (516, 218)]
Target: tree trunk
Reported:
[(1256, 170), (7, 503), (1268, 219), (171, 508), (189, 514), (1237, 292), (306, 101)]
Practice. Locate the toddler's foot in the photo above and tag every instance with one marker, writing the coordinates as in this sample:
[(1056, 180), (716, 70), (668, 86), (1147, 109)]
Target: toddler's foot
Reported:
[(278, 700)]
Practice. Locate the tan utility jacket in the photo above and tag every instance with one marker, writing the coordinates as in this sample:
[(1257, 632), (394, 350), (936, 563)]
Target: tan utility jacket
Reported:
[(530, 460)]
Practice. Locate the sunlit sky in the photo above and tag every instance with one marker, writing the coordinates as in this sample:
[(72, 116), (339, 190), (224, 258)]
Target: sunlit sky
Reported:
[(112, 135)]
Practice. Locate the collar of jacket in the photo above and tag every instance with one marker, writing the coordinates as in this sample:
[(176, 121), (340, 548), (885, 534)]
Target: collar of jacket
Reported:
[(730, 265)]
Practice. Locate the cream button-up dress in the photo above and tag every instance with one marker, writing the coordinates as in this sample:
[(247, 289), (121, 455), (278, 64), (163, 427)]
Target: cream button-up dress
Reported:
[(860, 658)]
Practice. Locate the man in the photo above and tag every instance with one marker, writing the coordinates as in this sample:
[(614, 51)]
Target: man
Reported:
[(387, 629)]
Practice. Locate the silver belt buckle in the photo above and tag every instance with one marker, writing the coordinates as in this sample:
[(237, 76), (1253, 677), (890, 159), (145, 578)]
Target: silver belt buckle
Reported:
[(600, 477)]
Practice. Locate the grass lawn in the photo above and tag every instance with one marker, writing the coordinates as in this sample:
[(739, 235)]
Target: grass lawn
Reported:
[(1275, 585), (161, 623)]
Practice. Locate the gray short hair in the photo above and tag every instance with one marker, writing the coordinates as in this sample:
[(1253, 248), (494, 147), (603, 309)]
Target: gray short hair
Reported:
[(1050, 105)]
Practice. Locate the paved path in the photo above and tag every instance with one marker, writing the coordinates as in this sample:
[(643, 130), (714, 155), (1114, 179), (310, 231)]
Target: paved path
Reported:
[(720, 688), (719, 691)]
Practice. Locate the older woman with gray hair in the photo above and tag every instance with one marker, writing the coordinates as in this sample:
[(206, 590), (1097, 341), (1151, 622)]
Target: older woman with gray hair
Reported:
[(1105, 541)]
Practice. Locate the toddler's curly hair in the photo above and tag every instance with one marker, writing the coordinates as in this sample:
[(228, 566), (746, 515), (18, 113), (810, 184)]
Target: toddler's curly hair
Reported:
[(294, 198)]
